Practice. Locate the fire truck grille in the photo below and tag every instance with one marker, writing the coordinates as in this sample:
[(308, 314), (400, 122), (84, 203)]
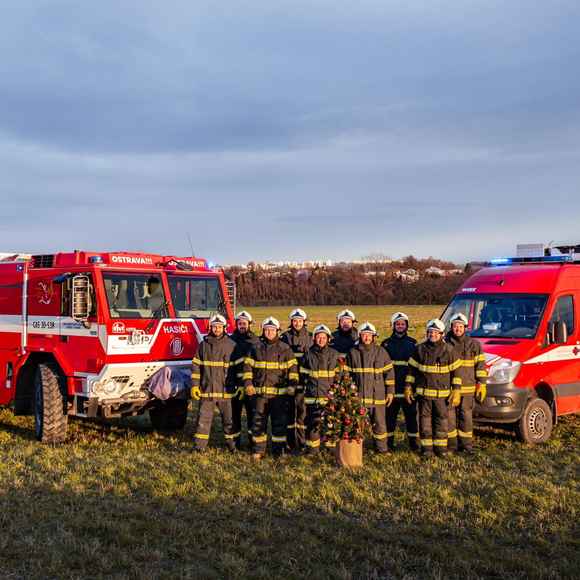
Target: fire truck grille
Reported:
[(43, 261)]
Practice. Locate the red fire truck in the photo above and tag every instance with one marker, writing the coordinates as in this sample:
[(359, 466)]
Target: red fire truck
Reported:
[(526, 313), (82, 332)]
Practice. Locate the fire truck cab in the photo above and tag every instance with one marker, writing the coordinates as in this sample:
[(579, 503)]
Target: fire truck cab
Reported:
[(526, 313), (81, 333)]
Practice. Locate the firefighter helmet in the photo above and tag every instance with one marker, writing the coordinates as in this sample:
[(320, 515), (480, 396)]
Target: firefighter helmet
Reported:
[(322, 328), (271, 322), (298, 313), (459, 317), (367, 327), (245, 315), (217, 319), (436, 324), (346, 314), (399, 316)]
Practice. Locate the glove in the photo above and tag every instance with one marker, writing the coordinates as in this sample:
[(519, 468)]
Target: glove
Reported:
[(408, 394), (389, 398), (250, 391), (291, 391), (455, 398), (480, 393), (195, 393), (239, 394)]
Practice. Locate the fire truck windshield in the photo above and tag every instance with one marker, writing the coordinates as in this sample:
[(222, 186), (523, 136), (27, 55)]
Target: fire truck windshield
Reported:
[(499, 315), (195, 297), (135, 295)]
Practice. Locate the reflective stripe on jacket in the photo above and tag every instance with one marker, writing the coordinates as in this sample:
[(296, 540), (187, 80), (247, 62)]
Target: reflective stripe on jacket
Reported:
[(319, 369), (372, 372), (211, 368), (400, 349), (470, 353)]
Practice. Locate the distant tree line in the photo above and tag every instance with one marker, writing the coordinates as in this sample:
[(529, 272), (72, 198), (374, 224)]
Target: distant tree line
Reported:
[(372, 282)]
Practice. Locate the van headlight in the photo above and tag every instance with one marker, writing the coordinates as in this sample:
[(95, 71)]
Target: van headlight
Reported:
[(503, 371)]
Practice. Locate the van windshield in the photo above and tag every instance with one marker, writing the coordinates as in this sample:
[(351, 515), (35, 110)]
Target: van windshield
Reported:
[(135, 295), (196, 297), (499, 315)]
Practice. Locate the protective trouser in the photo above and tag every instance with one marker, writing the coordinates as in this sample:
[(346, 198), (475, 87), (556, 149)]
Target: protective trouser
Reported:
[(296, 421), (276, 409), (433, 425), (378, 417), (410, 412), (238, 405), (461, 425), (205, 420)]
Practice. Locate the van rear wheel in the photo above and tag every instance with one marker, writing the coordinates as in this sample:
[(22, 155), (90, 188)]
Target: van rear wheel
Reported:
[(170, 415), (50, 415), (535, 424)]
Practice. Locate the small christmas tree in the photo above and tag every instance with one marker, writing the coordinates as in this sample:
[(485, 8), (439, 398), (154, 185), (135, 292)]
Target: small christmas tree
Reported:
[(345, 417)]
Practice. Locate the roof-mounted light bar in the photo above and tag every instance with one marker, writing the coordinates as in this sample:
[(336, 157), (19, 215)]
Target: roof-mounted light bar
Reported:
[(532, 260)]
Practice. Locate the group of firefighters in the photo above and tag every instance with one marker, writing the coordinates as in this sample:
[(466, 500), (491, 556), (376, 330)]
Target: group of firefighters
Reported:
[(285, 377)]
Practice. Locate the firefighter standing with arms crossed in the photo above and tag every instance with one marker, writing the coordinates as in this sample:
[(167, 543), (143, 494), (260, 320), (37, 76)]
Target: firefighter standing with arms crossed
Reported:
[(473, 383), (400, 347), (212, 383), (319, 369), (434, 379), (245, 339), (372, 372), (270, 373), (299, 340)]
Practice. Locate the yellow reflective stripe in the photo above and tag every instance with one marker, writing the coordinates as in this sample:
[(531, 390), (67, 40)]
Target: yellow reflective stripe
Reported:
[(427, 442), (409, 379), (238, 361), (330, 444), (249, 361), (481, 374), (195, 376), (271, 390), (293, 376), (380, 371), (413, 435), (480, 358), (390, 382), (213, 363), (247, 375), (292, 426), (232, 436), (433, 392), (400, 363), (399, 396), (390, 434), (313, 443), (413, 363), (372, 401), (260, 438), (467, 390), (465, 434), (216, 395), (275, 365), (279, 439), (456, 381), (201, 436), (440, 442), (316, 401), (452, 434), (380, 436), (236, 435), (298, 354), (467, 363), (196, 361), (319, 374)]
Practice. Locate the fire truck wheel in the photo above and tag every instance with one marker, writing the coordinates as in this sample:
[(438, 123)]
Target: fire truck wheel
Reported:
[(535, 425), (50, 417), (169, 415)]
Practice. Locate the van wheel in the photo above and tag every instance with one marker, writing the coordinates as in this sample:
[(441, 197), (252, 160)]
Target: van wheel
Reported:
[(535, 425), (170, 415), (50, 416)]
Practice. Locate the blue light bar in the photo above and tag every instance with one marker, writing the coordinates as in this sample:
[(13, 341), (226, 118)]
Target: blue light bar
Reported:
[(532, 260), (500, 261)]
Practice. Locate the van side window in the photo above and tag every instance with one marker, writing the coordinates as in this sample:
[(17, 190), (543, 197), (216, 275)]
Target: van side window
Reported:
[(564, 311)]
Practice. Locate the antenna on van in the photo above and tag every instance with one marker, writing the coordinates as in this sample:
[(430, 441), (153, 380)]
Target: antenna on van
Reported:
[(190, 244)]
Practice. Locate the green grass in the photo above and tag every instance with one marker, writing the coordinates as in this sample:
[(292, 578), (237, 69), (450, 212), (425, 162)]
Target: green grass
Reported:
[(121, 501)]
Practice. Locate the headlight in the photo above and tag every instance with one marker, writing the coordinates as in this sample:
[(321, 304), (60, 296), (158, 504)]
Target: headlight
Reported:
[(503, 371)]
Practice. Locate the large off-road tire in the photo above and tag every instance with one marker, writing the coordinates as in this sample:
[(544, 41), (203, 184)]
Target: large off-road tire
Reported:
[(535, 425), (50, 413), (170, 415)]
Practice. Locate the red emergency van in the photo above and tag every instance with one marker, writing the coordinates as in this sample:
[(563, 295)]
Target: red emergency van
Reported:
[(81, 333), (526, 313)]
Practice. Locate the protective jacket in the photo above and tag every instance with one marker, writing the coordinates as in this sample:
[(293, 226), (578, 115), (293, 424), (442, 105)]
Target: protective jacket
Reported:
[(470, 354), (211, 369), (372, 371), (319, 369), (400, 349), (344, 341)]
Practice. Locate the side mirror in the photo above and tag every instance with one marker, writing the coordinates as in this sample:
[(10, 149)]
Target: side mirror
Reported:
[(81, 304), (560, 332)]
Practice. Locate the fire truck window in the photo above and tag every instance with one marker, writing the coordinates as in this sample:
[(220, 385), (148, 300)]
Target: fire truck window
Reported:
[(564, 312), (135, 295), (195, 297)]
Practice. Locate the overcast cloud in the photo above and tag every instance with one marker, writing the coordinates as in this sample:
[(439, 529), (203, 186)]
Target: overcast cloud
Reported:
[(289, 129)]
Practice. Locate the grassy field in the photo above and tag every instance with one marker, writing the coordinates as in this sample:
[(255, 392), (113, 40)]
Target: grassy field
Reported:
[(121, 501)]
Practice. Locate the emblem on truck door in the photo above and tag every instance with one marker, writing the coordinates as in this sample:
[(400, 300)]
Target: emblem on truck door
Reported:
[(176, 346)]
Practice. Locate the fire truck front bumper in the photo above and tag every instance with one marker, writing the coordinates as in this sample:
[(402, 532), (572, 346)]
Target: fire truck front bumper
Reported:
[(504, 403)]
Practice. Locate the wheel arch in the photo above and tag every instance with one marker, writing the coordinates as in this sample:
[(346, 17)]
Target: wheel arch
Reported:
[(545, 392), (24, 394)]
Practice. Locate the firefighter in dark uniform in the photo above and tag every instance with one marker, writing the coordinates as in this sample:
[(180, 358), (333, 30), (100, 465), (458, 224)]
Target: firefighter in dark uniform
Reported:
[(319, 369), (473, 375), (372, 372), (299, 340), (434, 379), (213, 383), (346, 334), (400, 347), (245, 339), (270, 373)]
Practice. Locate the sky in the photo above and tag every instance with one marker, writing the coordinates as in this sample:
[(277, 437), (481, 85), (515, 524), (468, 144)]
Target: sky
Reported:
[(289, 130)]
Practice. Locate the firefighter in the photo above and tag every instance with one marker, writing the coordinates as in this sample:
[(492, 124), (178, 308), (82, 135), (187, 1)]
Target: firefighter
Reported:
[(373, 374), (299, 340), (346, 334), (434, 379), (319, 369), (270, 373), (212, 383), (245, 339), (473, 383), (400, 347)]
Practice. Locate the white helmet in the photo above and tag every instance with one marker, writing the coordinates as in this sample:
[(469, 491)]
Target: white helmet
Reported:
[(367, 327), (322, 328), (346, 314), (245, 315), (217, 319), (399, 316), (298, 313), (459, 317), (436, 324), (271, 322)]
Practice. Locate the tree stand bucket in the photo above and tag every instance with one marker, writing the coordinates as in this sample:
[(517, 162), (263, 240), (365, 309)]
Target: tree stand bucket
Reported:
[(349, 454)]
